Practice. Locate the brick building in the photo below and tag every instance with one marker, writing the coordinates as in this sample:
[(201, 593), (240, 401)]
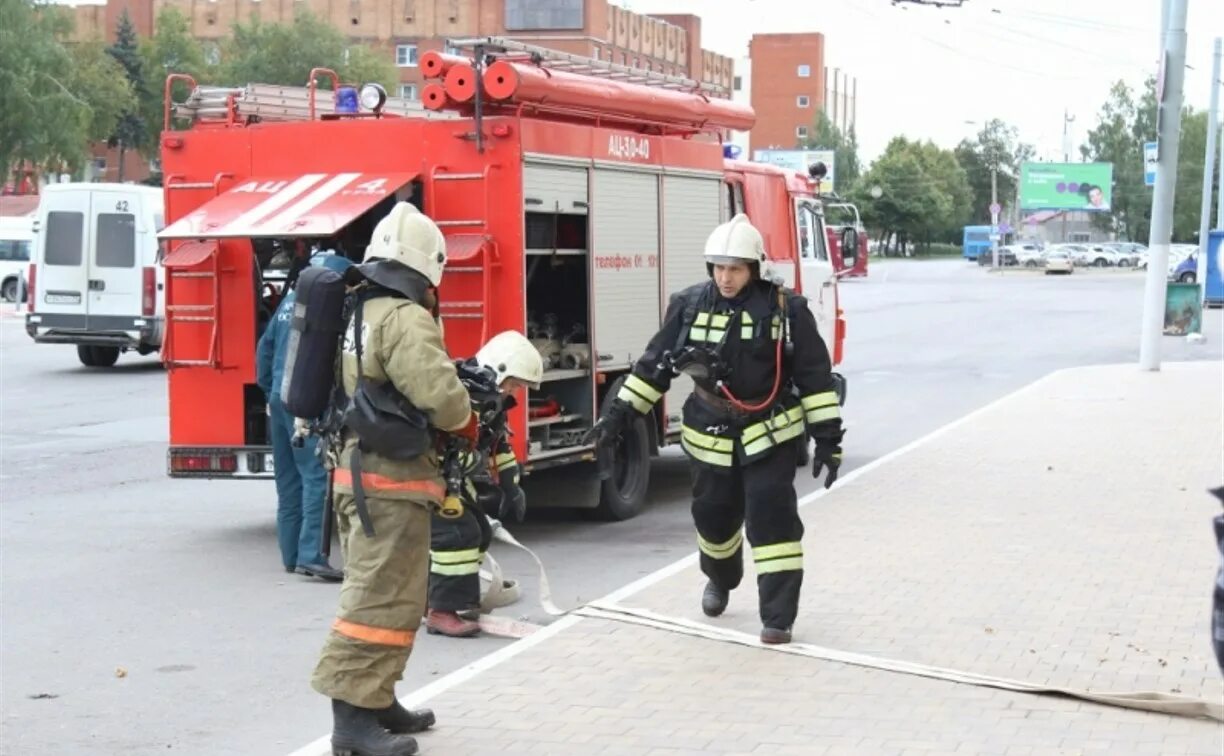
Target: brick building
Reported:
[(787, 82), (408, 28)]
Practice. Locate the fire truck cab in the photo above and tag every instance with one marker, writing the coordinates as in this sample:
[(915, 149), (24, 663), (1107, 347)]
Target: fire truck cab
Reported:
[(570, 215)]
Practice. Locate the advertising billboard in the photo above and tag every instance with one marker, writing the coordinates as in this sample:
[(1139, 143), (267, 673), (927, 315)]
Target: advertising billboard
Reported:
[(799, 160), (1066, 186)]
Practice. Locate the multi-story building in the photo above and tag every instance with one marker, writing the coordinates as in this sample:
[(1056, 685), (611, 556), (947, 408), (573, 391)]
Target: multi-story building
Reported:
[(788, 84), (406, 29)]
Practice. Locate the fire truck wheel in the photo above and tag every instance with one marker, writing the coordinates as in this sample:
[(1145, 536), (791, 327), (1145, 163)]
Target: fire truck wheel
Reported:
[(623, 494)]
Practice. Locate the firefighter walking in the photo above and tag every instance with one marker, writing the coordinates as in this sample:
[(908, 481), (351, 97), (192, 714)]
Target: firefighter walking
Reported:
[(763, 386), (458, 545), (383, 496)]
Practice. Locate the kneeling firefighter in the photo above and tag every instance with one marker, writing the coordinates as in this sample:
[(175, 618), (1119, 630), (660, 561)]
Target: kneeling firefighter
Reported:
[(393, 391), (763, 385), (458, 545)]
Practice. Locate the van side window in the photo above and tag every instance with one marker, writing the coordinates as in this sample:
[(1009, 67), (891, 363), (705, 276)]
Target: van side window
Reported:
[(64, 237), (116, 237), (14, 250)]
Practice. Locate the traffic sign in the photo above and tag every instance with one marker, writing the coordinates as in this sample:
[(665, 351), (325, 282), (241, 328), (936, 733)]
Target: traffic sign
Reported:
[(1151, 155), (995, 208)]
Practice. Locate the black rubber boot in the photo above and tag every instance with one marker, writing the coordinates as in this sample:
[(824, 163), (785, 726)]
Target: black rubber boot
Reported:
[(356, 732), (399, 720), (774, 636), (714, 600)]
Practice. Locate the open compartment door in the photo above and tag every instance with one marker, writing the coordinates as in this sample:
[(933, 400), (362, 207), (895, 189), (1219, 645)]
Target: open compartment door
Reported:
[(310, 205)]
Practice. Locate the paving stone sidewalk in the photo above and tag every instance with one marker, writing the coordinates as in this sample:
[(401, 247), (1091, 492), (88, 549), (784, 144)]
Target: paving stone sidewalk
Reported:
[(1061, 536)]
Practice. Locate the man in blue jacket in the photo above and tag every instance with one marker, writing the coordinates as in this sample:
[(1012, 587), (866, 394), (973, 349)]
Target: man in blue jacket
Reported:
[(301, 481)]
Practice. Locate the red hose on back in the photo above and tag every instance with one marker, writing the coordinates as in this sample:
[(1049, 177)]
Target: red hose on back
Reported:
[(743, 407)]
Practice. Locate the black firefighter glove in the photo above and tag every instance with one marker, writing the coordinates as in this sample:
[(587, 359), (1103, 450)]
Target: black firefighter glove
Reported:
[(618, 416), (828, 454), (513, 501)]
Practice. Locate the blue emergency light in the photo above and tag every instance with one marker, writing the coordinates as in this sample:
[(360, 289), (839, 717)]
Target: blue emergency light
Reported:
[(346, 100), (731, 151)]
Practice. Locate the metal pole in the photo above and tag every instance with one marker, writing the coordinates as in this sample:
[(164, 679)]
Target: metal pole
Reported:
[(994, 217), (1169, 117), (1208, 169)]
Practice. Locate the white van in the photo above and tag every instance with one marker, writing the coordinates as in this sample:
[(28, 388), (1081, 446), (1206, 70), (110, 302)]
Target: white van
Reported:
[(16, 238), (95, 279)]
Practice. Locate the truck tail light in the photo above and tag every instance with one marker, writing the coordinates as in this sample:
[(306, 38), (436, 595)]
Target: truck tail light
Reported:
[(30, 287), (148, 300), (203, 462)]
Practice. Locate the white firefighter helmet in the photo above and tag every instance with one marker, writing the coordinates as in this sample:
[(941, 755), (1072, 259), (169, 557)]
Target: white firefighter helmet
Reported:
[(736, 241), (411, 238), (510, 355)]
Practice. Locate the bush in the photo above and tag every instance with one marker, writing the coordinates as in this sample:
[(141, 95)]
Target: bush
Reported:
[(939, 250)]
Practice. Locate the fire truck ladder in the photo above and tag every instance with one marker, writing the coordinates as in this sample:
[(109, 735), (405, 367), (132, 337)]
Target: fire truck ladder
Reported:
[(194, 253), (563, 61), (269, 102), (472, 248)]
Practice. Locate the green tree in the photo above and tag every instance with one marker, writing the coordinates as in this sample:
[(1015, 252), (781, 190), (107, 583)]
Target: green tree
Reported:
[(366, 65), (171, 49), (54, 97), (280, 53), (131, 132), (949, 216), (1118, 138), (996, 147), (38, 111), (99, 81), (827, 136), (1123, 125), (922, 193)]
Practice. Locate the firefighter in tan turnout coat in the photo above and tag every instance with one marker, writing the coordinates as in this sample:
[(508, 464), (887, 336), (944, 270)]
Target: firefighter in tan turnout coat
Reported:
[(383, 503)]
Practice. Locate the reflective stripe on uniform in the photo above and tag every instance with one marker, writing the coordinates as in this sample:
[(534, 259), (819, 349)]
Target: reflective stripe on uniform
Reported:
[(460, 562), (821, 407), (376, 482), (639, 393), (706, 448), (746, 331), (709, 327), (761, 436), (724, 550), (368, 633), (778, 557), (505, 461)]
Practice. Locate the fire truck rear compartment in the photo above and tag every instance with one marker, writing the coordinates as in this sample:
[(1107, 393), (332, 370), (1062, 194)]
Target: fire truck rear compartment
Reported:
[(278, 265), (558, 300)]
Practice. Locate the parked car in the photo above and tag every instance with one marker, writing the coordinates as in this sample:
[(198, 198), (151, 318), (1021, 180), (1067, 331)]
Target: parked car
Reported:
[(1028, 255), (1007, 256), (1058, 260), (1096, 255), (1128, 253)]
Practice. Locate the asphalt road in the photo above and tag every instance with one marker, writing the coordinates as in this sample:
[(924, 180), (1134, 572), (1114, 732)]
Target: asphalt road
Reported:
[(143, 615)]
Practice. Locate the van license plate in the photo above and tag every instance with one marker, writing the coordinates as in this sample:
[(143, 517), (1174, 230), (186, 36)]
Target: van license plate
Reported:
[(268, 465), (62, 299)]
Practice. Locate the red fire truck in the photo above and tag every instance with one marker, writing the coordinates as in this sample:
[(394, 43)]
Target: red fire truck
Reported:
[(847, 236), (575, 196)]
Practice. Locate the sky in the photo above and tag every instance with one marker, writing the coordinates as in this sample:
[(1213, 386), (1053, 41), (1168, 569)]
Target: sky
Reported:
[(924, 71)]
